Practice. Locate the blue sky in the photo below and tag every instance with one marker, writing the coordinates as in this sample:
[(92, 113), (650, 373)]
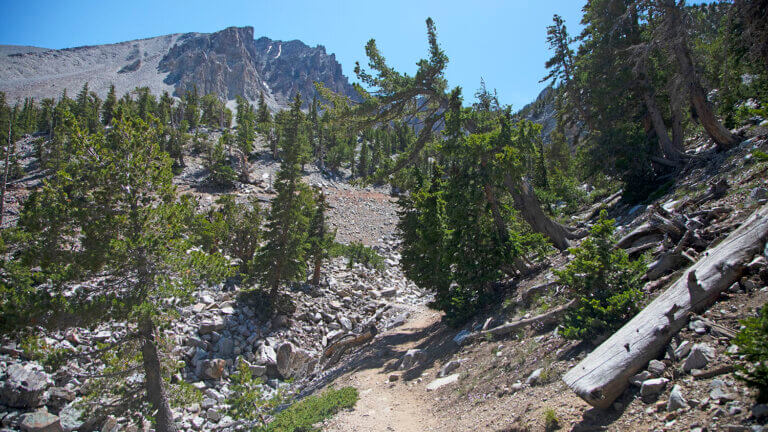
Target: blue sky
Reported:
[(503, 42)]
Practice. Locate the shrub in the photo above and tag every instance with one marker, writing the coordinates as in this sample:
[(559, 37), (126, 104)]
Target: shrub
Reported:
[(303, 414), (247, 401), (753, 346), (357, 252), (606, 284), (551, 422)]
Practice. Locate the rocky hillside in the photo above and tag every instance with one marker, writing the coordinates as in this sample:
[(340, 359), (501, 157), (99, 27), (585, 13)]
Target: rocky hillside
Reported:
[(228, 63)]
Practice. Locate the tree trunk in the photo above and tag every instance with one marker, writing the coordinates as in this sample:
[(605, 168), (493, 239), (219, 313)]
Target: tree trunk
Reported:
[(244, 174), (530, 209), (665, 143), (720, 135), (154, 379), (677, 124), (604, 374)]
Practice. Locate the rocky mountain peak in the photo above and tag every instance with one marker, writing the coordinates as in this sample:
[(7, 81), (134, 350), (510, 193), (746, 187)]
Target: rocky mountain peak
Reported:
[(231, 63)]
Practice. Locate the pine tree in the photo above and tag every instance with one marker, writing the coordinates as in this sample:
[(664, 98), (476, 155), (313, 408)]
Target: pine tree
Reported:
[(283, 258), (115, 196), (246, 134), (320, 237)]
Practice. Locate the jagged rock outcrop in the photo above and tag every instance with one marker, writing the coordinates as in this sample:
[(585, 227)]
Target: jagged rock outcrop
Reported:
[(230, 63)]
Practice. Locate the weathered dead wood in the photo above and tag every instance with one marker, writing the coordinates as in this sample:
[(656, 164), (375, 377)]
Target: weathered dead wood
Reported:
[(333, 353), (604, 374), (711, 373), (527, 295), (636, 234), (546, 318)]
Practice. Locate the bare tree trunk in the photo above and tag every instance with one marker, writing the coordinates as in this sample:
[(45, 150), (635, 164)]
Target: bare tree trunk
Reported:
[(530, 209), (244, 174), (677, 123), (720, 135), (154, 379), (665, 143)]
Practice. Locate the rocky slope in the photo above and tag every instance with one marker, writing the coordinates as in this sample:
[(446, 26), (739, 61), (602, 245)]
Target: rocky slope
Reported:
[(228, 63)]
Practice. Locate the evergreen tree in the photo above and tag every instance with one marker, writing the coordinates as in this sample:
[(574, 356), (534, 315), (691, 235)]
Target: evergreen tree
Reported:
[(115, 196), (246, 134), (283, 258), (321, 238)]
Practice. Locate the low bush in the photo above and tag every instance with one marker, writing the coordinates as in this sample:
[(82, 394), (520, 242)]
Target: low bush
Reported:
[(357, 252), (606, 284), (300, 416), (753, 347)]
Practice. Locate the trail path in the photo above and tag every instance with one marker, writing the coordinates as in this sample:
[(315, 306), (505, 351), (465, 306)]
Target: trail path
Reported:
[(401, 406)]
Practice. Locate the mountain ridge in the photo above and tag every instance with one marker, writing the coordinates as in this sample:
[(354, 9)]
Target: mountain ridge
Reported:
[(228, 63)]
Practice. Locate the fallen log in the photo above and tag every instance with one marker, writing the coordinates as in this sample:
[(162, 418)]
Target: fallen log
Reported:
[(548, 317), (604, 374)]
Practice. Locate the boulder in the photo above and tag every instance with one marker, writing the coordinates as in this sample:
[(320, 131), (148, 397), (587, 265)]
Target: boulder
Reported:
[(294, 362), (24, 386), (412, 357), (59, 396), (441, 382), (700, 356), (40, 421), (212, 369)]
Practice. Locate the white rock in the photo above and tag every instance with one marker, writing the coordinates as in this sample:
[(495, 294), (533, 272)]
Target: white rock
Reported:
[(533, 378), (653, 386), (440, 382)]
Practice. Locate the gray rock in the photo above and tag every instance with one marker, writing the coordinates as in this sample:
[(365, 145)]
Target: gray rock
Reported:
[(653, 386), (71, 417), (449, 367), (721, 394), (40, 421), (639, 378), (293, 362), (208, 402), (266, 356), (534, 377), (656, 367), (700, 356), (682, 350), (59, 396), (441, 382), (345, 323), (211, 325), (225, 347), (24, 386), (389, 292), (213, 415), (412, 357), (676, 399), (197, 422)]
